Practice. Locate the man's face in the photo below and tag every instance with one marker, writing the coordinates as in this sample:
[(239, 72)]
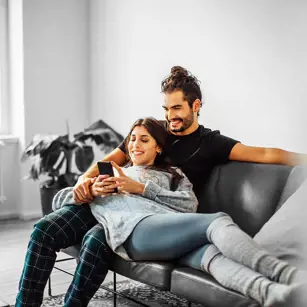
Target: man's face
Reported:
[(178, 113)]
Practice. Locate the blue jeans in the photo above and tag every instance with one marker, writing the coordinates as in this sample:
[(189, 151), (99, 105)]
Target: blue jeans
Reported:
[(165, 237)]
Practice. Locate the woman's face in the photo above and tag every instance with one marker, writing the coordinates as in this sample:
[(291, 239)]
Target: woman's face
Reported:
[(142, 147)]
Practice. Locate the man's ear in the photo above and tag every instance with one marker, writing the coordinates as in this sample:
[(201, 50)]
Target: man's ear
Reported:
[(196, 105)]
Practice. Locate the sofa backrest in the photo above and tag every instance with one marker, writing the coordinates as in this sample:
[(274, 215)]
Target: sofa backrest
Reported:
[(248, 192)]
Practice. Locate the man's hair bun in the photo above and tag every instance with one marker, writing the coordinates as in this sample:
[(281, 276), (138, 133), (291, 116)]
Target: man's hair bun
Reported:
[(178, 70)]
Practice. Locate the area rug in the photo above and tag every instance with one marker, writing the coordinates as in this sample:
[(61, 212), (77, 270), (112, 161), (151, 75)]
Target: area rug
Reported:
[(136, 290)]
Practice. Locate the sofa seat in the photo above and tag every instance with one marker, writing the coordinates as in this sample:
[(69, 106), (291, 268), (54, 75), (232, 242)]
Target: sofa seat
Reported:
[(200, 287), (156, 274)]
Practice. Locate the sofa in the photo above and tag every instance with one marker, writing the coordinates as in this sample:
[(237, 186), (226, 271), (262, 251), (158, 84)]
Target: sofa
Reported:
[(252, 194)]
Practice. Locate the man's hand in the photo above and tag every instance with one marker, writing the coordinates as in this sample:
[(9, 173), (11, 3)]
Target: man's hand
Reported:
[(101, 186), (125, 183), (81, 190)]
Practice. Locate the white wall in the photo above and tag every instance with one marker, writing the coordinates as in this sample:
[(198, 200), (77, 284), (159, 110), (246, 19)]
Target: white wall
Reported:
[(56, 66), (56, 73), (249, 55), (56, 83)]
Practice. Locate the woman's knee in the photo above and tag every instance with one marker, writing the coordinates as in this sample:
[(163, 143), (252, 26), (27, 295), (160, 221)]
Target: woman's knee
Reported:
[(218, 215), (205, 220)]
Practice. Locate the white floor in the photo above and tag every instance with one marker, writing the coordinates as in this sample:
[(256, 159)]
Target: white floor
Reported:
[(14, 236)]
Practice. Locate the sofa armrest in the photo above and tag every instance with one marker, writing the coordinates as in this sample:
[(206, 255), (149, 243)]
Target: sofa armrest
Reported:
[(297, 176)]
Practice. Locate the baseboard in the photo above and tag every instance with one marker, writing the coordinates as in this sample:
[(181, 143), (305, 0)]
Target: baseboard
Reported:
[(21, 216), (24, 217), (4, 304), (30, 215), (8, 216)]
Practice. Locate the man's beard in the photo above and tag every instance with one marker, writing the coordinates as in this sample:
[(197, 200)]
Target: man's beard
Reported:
[(186, 123)]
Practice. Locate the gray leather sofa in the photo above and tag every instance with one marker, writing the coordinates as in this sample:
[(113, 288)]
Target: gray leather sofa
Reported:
[(250, 193)]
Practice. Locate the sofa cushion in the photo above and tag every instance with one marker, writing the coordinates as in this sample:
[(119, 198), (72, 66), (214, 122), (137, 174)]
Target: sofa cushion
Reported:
[(284, 235), (202, 288), (157, 274), (248, 192)]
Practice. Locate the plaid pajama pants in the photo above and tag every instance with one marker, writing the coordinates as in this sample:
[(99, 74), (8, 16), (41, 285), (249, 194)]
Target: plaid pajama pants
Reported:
[(67, 226)]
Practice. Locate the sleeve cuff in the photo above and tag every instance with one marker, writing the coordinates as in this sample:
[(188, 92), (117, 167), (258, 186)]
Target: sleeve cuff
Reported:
[(151, 190), (62, 198)]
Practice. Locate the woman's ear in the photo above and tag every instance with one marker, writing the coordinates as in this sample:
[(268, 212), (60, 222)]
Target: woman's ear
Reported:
[(159, 150)]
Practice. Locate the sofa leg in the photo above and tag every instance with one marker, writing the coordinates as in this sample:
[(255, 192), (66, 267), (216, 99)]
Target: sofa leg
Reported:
[(49, 286), (114, 288)]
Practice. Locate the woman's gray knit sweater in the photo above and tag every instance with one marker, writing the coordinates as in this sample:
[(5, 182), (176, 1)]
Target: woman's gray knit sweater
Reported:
[(120, 213)]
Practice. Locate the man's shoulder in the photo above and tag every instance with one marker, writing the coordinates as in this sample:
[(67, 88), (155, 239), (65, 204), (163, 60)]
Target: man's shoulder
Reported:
[(204, 131), (215, 137)]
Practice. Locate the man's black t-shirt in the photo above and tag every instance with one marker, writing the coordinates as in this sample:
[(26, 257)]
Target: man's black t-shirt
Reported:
[(197, 153)]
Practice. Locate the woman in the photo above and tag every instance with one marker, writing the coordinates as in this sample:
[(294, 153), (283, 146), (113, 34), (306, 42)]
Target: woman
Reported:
[(144, 221)]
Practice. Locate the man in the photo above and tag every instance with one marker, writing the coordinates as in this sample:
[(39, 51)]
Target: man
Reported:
[(192, 147)]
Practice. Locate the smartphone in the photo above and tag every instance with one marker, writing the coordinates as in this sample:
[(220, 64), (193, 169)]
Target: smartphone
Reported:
[(105, 168)]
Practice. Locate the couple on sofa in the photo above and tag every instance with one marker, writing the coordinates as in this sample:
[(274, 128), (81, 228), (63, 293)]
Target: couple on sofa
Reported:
[(139, 222)]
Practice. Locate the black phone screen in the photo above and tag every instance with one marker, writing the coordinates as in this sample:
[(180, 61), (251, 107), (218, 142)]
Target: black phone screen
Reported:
[(105, 168)]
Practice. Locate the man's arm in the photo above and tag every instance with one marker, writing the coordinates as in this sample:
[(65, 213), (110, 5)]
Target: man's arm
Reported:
[(245, 153)]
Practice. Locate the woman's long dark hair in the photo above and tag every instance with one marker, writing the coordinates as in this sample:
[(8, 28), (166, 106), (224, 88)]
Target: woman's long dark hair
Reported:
[(162, 163)]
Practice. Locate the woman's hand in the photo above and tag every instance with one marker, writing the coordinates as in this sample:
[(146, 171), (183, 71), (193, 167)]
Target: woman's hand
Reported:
[(124, 183), (101, 186)]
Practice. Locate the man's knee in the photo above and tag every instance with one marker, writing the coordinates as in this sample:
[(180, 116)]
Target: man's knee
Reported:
[(42, 231), (55, 228), (95, 240)]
